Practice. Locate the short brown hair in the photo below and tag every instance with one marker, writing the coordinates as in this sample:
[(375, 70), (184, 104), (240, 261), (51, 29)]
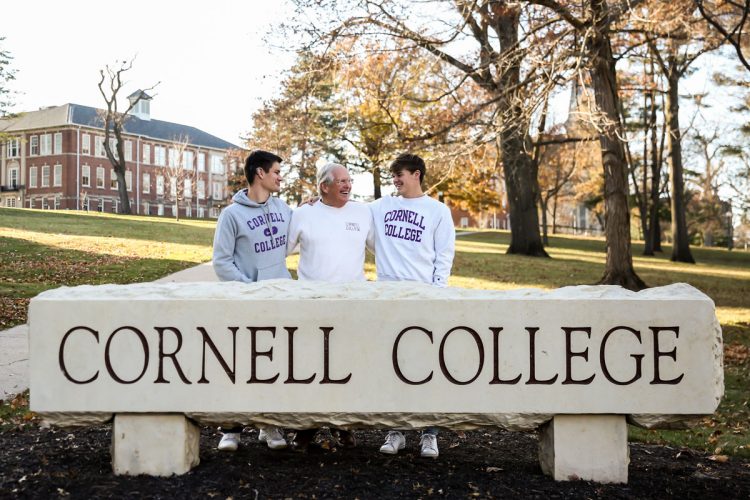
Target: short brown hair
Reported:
[(410, 162)]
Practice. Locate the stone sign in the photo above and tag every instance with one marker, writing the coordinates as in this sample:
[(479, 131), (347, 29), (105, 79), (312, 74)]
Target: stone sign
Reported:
[(374, 354)]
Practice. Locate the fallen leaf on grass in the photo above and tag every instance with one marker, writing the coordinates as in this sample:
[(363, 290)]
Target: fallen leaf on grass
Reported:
[(719, 458), (494, 469)]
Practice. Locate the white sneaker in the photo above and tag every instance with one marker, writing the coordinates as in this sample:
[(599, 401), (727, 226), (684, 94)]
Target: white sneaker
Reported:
[(273, 437), (229, 441), (429, 446), (394, 441)]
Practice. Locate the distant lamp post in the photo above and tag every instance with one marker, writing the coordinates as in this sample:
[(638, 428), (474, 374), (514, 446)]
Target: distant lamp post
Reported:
[(730, 229)]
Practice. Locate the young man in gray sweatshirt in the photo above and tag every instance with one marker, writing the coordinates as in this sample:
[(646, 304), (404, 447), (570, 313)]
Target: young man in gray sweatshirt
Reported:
[(250, 246)]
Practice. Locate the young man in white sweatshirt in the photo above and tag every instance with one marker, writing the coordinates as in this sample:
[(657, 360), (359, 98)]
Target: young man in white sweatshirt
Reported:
[(331, 235), (415, 241)]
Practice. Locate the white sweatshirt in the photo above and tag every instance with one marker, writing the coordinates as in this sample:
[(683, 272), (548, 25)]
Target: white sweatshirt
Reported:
[(331, 241), (415, 239)]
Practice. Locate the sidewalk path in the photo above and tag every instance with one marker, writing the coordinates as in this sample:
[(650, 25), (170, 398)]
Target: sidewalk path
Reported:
[(14, 346)]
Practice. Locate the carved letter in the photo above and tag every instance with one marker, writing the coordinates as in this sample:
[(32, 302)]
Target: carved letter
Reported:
[(396, 367), (255, 354), (496, 359), (61, 354), (569, 355), (108, 363), (173, 355), (326, 379), (532, 360), (480, 347), (637, 357), (291, 380), (664, 354), (217, 354)]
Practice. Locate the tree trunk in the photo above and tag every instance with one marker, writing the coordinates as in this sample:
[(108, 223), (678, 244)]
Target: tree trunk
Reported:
[(543, 206), (681, 243), (619, 264), (376, 182), (122, 191), (521, 183)]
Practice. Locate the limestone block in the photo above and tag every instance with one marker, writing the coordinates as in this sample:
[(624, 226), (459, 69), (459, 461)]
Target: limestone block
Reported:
[(388, 353), (588, 447), (156, 444)]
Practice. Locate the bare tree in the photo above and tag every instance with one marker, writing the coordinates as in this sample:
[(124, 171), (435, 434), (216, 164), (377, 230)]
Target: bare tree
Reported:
[(729, 18), (180, 175), (114, 124)]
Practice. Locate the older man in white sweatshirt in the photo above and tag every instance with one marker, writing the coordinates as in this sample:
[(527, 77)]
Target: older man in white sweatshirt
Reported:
[(331, 236)]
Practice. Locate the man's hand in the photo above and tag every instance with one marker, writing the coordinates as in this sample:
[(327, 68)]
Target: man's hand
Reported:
[(309, 201)]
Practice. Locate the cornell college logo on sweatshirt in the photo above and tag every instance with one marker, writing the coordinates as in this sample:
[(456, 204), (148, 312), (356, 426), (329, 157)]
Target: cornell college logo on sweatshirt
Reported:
[(410, 227), (264, 223)]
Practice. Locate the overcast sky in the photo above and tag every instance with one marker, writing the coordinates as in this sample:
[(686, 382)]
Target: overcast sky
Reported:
[(210, 58)]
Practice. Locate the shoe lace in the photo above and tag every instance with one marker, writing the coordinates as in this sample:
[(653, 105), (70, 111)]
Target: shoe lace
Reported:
[(428, 441), (392, 438)]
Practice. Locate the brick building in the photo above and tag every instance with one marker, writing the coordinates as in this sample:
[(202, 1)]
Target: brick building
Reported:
[(54, 159)]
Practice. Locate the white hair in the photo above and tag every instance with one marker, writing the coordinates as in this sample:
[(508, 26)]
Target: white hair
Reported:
[(325, 174)]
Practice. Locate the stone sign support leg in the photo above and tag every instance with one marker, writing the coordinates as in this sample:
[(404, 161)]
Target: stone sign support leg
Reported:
[(588, 447), (154, 444)]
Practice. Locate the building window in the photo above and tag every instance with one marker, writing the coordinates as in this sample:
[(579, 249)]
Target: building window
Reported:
[(173, 187), (146, 183), (112, 179), (34, 145), (57, 180), (159, 185), (187, 160), (217, 191), (188, 189), (217, 164), (188, 211), (146, 208), (116, 206), (44, 204), (57, 203), (11, 202), (86, 176), (201, 162), (113, 147), (128, 150), (87, 204), (33, 172), (129, 180), (201, 212), (174, 156), (13, 177), (86, 144), (100, 206), (100, 177), (99, 146), (201, 191), (160, 210), (160, 156), (58, 143), (46, 144), (13, 148), (147, 154), (45, 176)]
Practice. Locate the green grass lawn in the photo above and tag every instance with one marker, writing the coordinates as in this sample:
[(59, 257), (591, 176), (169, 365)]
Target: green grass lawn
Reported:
[(45, 249)]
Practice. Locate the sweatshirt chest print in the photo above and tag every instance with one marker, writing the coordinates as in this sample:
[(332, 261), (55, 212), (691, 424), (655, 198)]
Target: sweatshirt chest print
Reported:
[(352, 226), (267, 225), (405, 225)]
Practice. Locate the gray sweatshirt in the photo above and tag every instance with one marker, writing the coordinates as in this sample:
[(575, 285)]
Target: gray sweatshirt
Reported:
[(250, 240)]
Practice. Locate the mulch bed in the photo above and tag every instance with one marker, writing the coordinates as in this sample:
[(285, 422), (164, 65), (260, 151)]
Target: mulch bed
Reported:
[(53, 463)]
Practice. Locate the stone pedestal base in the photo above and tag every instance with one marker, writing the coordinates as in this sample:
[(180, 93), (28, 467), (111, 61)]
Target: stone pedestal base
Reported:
[(155, 444), (589, 447)]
